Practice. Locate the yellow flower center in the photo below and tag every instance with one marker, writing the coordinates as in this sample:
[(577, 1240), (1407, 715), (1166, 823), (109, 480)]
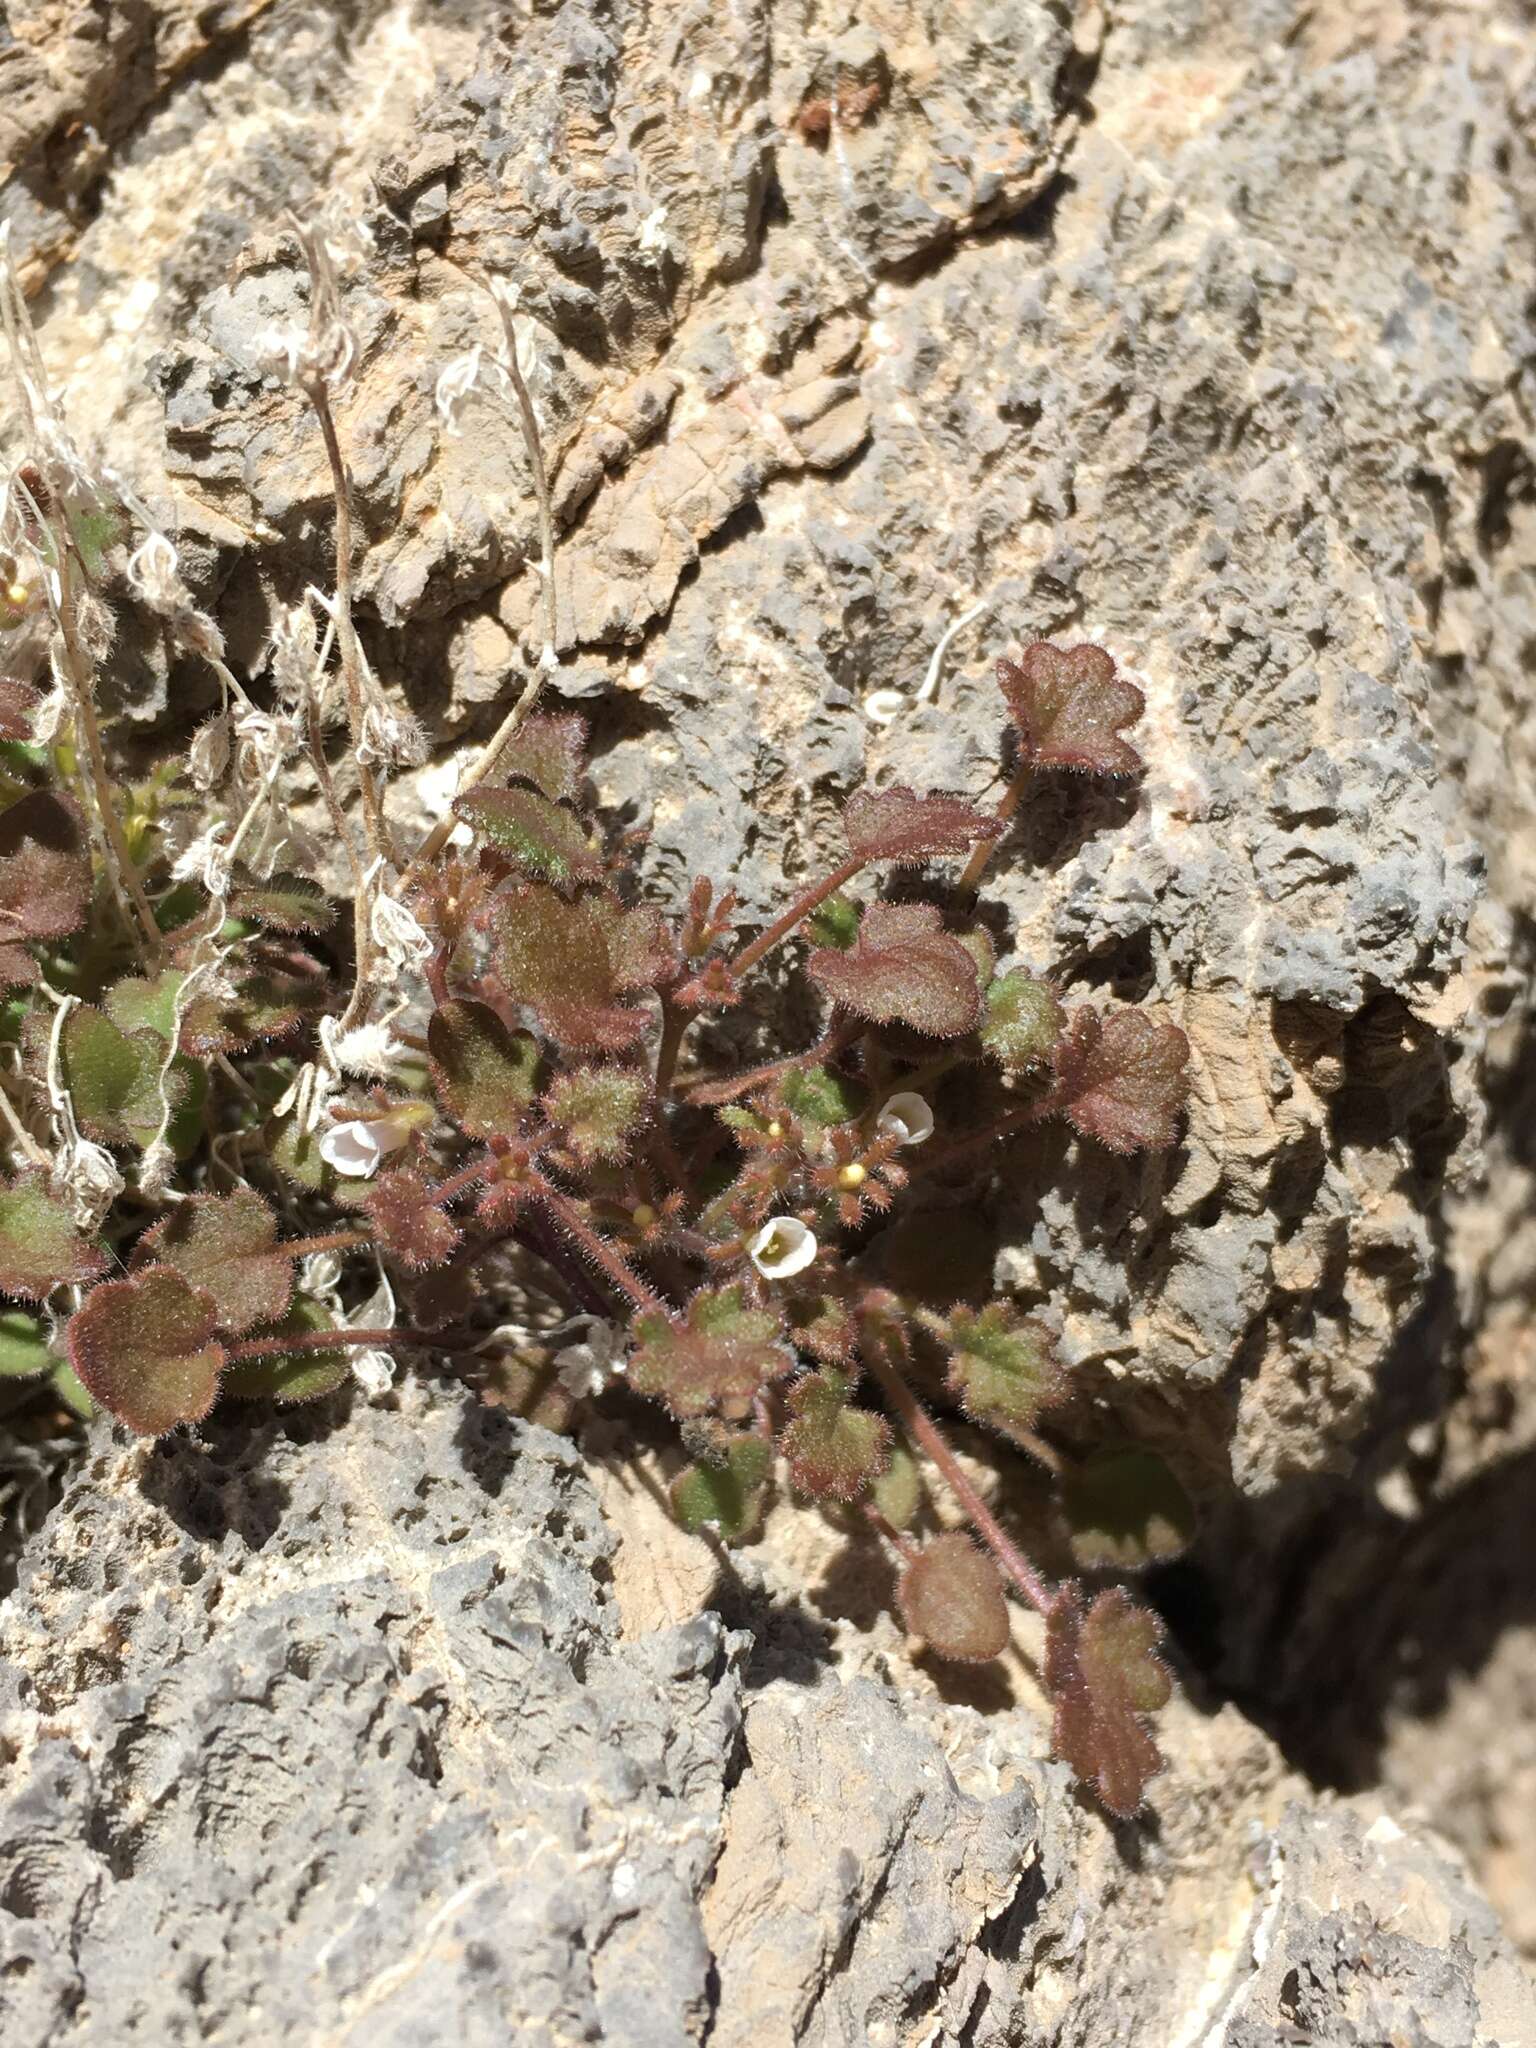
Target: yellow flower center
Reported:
[(853, 1175)]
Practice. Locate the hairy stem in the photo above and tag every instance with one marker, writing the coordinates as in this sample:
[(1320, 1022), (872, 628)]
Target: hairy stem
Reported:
[(321, 1340), (328, 1241), (843, 1033), (984, 849), (1002, 1127), (920, 1425), (346, 631), (674, 1023), (801, 908), (602, 1254), (549, 659)]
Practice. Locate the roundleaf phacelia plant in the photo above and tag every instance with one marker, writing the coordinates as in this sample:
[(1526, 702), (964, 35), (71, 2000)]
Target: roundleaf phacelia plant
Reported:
[(266, 1132)]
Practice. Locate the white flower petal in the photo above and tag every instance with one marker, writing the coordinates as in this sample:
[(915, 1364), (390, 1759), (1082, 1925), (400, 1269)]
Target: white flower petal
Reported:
[(782, 1248), (356, 1147), (906, 1118)]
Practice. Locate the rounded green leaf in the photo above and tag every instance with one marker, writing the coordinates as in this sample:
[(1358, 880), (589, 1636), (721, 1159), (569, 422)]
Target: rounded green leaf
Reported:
[(40, 1248), (227, 1245), (727, 1496), (835, 1450), (1023, 1020), (23, 1345), (543, 838), (298, 1375)]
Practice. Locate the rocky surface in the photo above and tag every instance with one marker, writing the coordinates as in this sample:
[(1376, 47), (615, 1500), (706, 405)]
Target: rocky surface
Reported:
[(354, 1729), (1204, 328)]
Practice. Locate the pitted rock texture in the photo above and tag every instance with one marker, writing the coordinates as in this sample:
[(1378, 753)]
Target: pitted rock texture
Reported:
[(1202, 327), (331, 1731)]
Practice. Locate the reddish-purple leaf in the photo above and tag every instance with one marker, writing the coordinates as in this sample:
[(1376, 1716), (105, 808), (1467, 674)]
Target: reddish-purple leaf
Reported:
[(40, 1248), (1070, 705), (407, 1221), (1122, 1079), (227, 1246), (899, 825), (549, 752), (45, 867), (951, 1595), (835, 1450), (571, 962), (145, 1348), (905, 969), (18, 708), (1103, 1673), (716, 1357), (17, 967)]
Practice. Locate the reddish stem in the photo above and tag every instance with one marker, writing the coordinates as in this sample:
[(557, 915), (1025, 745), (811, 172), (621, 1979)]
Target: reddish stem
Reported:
[(320, 1340), (919, 1424), (841, 1034), (331, 1241), (456, 1183), (598, 1249), (800, 908), (673, 1024), (984, 849), (1003, 1127)]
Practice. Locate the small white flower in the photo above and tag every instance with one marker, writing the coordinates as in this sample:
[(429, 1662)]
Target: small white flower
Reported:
[(209, 755), (356, 1147), (398, 934), (367, 1049), (587, 1367), (881, 706), (907, 1119), (782, 1248), (374, 1371), (205, 861), (154, 573)]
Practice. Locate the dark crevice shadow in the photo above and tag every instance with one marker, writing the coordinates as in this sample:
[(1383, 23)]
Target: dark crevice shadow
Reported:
[(1320, 1612)]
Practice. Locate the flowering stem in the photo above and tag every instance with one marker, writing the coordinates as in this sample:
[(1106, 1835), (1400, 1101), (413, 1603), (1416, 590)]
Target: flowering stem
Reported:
[(549, 659), (800, 908), (984, 849), (457, 1183), (842, 1034), (329, 1241), (1002, 1127), (674, 1023), (346, 630), (920, 1425), (602, 1254), (319, 1340)]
